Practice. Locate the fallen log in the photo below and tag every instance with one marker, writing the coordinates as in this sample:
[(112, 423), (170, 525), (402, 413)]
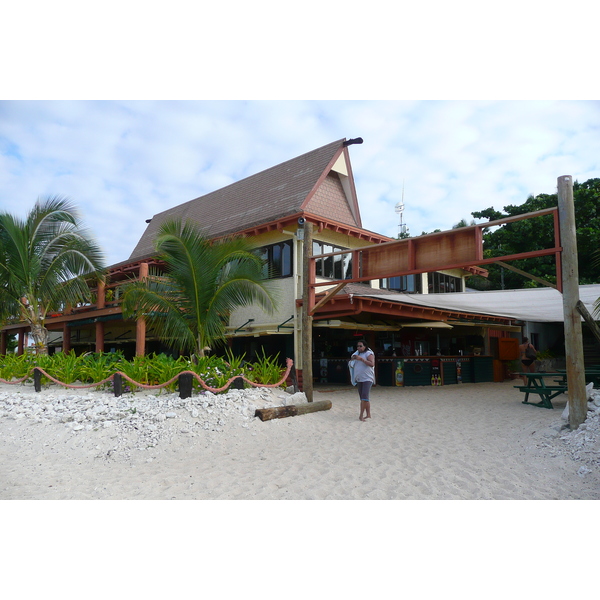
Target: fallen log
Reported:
[(280, 412)]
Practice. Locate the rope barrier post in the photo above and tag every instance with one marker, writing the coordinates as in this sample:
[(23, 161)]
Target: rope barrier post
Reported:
[(238, 383), (37, 379), (185, 385), (118, 384), (294, 379)]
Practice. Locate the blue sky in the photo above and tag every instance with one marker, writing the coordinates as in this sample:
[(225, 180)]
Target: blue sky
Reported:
[(123, 161)]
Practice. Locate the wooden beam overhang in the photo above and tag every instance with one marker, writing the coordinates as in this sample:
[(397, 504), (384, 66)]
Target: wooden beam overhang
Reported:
[(455, 249), (343, 305), (52, 323)]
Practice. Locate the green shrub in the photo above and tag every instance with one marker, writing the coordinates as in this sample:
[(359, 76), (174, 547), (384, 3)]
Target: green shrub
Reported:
[(98, 366), (15, 367), (148, 370), (266, 370)]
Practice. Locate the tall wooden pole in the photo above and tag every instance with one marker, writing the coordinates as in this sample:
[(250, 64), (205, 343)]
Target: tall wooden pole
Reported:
[(140, 324), (100, 303), (307, 370), (570, 293)]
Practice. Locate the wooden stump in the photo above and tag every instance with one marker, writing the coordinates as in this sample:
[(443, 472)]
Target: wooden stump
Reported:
[(280, 412)]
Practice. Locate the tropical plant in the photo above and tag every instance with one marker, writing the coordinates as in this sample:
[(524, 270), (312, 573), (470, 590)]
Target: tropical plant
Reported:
[(138, 369), (98, 366), (162, 368), (189, 303), (44, 262), (214, 371), (266, 370), (236, 363), (13, 366), (64, 366)]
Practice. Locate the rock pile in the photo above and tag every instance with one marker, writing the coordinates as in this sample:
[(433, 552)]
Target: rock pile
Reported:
[(583, 444), (141, 420)]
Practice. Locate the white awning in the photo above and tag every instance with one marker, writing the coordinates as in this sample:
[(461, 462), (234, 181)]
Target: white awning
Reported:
[(539, 305)]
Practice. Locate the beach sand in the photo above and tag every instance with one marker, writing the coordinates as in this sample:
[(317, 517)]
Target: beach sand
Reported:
[(459, 442)]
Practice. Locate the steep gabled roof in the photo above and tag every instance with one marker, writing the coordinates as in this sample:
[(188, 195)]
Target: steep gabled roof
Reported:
[(275, 193)]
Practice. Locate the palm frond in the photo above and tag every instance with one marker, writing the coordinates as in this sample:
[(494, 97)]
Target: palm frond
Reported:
[(203, 283)]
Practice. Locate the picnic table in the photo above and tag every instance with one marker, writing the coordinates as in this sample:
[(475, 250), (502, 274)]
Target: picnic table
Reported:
[(537, 385), (592, 375)]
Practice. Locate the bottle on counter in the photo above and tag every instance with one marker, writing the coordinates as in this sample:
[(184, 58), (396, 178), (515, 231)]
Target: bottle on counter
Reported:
[(400, 374)]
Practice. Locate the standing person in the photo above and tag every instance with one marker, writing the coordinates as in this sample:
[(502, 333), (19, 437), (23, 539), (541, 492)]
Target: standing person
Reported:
[(528, 354), (364, 375)]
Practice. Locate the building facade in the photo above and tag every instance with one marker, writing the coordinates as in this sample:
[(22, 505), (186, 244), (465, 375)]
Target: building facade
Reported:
[(272, 209)]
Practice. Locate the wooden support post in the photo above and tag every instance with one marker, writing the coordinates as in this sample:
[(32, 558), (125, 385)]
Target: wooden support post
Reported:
[(99, 336), (570, 282), (21, 342), (294, 379), (3, 343), (279, 412), (118, 384), (66, 342), (307, 370), (101, 295), (140, 325), (185, 385), (237, 384)]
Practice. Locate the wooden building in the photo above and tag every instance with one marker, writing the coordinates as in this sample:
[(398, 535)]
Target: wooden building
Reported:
[(272, 208)]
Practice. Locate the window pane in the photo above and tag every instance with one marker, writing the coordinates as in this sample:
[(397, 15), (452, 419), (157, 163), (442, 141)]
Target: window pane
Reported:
[(337, 266), (276, 260)]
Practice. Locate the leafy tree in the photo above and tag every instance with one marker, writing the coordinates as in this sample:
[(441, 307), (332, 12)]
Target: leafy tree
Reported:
[(189, 303), (45, 261), (463, 223), (537, 234)]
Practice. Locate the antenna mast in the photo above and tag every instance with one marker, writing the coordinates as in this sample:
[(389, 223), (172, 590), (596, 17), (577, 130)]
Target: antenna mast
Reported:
[(402, 229)]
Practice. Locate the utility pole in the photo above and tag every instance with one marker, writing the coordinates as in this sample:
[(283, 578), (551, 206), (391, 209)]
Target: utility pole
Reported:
[(570, 282)]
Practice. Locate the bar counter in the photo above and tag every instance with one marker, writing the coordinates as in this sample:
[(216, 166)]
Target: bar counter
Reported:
[(408, 371)]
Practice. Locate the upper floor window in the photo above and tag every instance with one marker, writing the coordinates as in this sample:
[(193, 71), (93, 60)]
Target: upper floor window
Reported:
[(278, 259), (402, 283), (332, 267), (439, 283)]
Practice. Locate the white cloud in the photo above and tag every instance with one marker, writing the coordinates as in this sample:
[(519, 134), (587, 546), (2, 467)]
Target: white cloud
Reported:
[(122, 162)]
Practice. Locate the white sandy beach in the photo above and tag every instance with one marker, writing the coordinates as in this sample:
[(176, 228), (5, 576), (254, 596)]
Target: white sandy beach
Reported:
[(462, 442)]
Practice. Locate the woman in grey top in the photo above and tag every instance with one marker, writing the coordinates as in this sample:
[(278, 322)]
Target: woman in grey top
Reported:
[(364, 375)]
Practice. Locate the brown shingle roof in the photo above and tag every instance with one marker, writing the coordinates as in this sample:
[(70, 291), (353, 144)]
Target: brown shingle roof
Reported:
[(267, 196)]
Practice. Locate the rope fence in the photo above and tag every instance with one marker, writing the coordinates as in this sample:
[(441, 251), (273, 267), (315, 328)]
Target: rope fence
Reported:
[(185, 381)]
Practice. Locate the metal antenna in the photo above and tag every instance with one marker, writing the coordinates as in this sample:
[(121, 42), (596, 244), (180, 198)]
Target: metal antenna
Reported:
[(400, 210)]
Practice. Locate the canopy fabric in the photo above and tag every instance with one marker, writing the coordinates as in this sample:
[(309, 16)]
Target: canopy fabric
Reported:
[(540, 305)]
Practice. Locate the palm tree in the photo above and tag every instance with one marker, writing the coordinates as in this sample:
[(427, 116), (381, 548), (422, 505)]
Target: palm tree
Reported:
[(44, 263), (189, 304)]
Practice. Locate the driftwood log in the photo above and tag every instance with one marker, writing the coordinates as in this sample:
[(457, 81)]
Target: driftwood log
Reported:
[(280, 412)]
